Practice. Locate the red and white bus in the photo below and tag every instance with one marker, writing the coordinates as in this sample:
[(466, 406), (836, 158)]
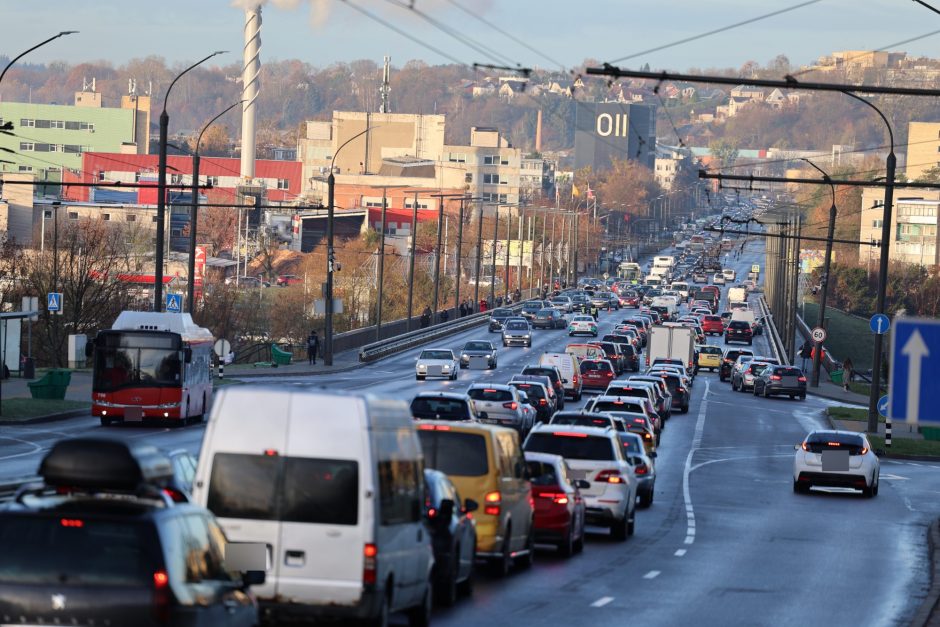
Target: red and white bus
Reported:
[(151, 366)]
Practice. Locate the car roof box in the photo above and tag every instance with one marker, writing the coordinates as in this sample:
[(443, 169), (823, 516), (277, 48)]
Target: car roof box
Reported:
[(105, 464)]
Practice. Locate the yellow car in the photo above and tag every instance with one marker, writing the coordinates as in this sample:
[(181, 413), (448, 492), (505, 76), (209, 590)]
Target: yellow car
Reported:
[(708, 357)]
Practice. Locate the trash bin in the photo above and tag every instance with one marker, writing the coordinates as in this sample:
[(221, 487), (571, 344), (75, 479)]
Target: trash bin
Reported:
[(836, 376), (58, 382)]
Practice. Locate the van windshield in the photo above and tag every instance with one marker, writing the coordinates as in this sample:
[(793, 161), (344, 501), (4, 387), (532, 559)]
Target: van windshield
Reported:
[(291, 489), (454, 453), (581, 446)]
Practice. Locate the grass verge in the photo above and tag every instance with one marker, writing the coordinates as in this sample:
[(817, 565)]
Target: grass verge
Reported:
[(848, 336), (906, 446), (15, 409), (850, 413), (217, 383)]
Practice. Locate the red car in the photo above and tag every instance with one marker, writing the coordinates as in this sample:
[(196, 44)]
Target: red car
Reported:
[(559, 506), (630, 299), (288, 279), (596, 373), (713, 325)]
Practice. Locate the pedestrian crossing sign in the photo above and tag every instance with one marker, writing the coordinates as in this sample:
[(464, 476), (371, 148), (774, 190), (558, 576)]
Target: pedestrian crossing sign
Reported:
[(174, 303), (54, 301)]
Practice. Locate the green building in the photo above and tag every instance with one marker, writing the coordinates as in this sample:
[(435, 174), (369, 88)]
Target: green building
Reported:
[(47, 138)]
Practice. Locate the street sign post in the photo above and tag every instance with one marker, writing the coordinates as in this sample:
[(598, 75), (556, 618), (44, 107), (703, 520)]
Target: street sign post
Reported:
[(883, 406), (222, 348), (174, 303), (879, 324), (755, 268), (818, 334), (54, 302), (915, 367)]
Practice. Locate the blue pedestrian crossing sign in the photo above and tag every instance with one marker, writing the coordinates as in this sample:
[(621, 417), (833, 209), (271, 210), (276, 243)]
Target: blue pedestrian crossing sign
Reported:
[(174, 303), (54, 301), (883, 406), (915, 368), (879, 324)]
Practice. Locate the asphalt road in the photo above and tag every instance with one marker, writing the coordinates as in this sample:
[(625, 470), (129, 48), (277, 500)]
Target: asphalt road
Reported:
[(726, 541)]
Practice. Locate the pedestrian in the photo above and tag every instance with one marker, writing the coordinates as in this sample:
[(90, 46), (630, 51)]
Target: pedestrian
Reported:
[(847, 370), (444, 316), (806, 352), (499, 301), (517, 295), (313, 345), (426, 318), (463, 309), (483, 305)]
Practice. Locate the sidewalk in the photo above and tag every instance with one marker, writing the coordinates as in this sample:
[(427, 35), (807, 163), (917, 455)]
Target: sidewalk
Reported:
[(832, 391), (79, 387)]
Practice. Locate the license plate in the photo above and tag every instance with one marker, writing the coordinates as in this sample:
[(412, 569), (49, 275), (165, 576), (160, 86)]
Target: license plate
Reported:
[(477, 361), (133, 414), (435, 371)]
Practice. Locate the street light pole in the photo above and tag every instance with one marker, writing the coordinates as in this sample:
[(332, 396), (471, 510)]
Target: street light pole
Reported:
[(381, 278), (493, 272), (161, 189), (26, 52), (476, 286), (437, 259), (821, 321), (193, 214), (459, 241), (411, 260)]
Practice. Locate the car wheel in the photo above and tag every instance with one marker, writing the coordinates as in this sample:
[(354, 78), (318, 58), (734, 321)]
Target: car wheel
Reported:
[(566, 546), (105, 422), (800, 488), (419, 377), (453, 376), (750, 342), (874, 491), (646, 498), (420, 615), (755, 391), (619, 529), (685, 409), (570, 334), (802, 397), (577, 397), (446, 592), (631, 521), (503, 563)]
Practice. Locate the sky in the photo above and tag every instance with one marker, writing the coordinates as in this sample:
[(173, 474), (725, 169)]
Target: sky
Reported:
[(560, 33)]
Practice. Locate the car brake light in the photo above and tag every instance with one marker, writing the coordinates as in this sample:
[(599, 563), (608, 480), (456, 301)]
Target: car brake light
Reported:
[(434, 427), (641, 469), (161, 597), (270, 452), (512, 405), (801, 379), (570, 434), (863, 451), (175, 495), (560, 499), (369, 564), (609, 476), (775, 377), (72, 522), (542, 401), (493, 501)]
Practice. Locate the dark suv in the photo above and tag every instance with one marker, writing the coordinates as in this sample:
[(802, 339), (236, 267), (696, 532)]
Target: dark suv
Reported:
[(728, 359), (99, 542), (498, 317), (739, 331)]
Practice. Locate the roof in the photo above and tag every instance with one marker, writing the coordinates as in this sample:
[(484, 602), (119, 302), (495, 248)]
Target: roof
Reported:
[(181, 323)]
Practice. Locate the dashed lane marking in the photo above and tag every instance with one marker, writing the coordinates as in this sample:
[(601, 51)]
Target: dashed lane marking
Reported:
[(679, 552), (653, 574), (601, 602)]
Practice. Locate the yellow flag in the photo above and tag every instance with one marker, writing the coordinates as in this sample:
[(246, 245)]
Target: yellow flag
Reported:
[(575, 191)]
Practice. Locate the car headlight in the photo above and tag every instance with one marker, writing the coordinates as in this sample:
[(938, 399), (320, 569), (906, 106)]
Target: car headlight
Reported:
[(489, 356)]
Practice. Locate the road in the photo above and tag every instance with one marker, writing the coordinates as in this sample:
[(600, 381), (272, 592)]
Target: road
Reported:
[(726, 541)]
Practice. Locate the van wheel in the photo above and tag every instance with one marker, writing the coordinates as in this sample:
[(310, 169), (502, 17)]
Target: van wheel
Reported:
[(381, 620), (420, 615), (528, 559), (577, 397), (503, 563)]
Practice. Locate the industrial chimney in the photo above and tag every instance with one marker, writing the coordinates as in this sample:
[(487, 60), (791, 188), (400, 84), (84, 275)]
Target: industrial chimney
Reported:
[(250, 85), (538, 132)]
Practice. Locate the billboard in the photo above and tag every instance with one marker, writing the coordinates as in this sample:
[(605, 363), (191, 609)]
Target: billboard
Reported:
[(514, 246)]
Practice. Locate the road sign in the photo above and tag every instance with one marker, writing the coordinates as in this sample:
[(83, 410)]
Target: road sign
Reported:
[(818, 334), (915, 367), (606, 276), (222, 348), (883, 406), (54, 301), (755, 268), (879, 324), (174, 303)]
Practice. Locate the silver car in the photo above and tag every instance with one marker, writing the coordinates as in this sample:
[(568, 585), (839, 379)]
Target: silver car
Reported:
[(501, 404), (479, 354), (517, 331)]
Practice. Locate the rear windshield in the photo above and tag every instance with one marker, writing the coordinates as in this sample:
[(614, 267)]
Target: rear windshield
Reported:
[(788, 372), (440, 409), (710, 350), (713, 318), (542, 473), (292, 489), (756, 368), (637, 392), (738, 324), (489, 394), (76, 551), (830, 441), (501, 313), (597, 366), (581, 446), (617, 406), (453, 453), (546, 313), (581, 420), (545, 372), (532, 306), (532, 390)]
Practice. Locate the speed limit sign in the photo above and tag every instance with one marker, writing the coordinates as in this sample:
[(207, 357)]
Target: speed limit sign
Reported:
[(818, 334)]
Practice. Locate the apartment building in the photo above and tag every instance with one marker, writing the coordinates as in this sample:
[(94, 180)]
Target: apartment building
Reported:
[(913, 226), (923, 148)]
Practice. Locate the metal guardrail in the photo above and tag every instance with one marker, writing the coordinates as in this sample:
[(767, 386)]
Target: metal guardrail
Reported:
[(776, 342), (399, 343), (8, 487)]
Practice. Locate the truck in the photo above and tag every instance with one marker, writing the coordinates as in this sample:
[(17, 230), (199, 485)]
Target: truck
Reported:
[(671, 341), (630, 271), (667, 306), (736, 295), (664, 261)]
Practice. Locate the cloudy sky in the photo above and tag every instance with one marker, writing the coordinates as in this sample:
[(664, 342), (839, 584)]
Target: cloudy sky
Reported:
[(557, 32)]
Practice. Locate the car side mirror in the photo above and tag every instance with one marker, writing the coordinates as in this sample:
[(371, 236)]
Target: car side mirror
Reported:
[(581, 484), (796, 447), (484, 415), (469, 505), (253, 578), (653, 455)]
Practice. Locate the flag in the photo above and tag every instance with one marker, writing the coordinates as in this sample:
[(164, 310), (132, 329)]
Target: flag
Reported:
[(590, 193), (575, 192)]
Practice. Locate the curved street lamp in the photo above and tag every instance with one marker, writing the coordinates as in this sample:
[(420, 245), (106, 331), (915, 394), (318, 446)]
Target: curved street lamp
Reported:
[(39, 45), (161, 189), (195, 209)]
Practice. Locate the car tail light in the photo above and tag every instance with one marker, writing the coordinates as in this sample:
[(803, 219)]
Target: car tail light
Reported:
[(608, 374), (805, 448), (175, 495), (641, 469), (74, 523), (609, 476), (863, 451), (776, 377), (511, 405), (559, 498), (575, 378), (801, 379), (681, 389), (434, 427), (542, 401), (270, 452), (492, 502), (161, 597), (370, 554)]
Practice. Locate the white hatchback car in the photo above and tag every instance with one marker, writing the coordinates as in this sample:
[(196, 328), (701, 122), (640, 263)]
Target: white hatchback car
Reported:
[(840, 459), (436, 362)]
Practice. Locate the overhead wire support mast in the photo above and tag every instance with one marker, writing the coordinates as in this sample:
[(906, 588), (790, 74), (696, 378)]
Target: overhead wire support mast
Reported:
[(712, 229), (702, 174)]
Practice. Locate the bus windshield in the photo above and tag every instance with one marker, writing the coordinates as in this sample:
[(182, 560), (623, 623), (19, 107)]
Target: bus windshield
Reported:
[(125, 360)]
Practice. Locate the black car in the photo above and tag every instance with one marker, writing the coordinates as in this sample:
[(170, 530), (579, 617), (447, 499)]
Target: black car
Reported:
[(453, 537), (680, 394), (739, 331), (549, 319), (531, 308), (98, 542), (554, 375), (498, 317), (613, 354), (631, 357), (786, 380), (727, 362)]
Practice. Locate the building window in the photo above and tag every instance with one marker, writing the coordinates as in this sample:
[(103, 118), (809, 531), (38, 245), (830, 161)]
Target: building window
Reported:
[(456, 157), (42, 147), (72, 149), (27, 146), (503, 198), (877, 223), (57, 124), (212, 180), (73, 215), (26, 168), (27, 122), (283, 184), (85, 126), (154, 219), (131, 218), (71, 126), (106, 217), (176, 179)]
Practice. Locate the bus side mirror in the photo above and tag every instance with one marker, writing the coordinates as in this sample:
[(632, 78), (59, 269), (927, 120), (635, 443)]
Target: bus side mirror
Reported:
[(188, 355)]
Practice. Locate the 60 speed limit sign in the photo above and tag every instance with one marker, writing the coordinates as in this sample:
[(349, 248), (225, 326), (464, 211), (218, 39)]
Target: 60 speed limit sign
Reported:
[(818, 334)]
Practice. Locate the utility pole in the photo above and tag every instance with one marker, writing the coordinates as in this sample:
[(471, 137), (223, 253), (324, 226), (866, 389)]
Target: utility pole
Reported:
[(508, 251), (330, 263), (457, 264), (437, 258), (476, 285), (381, 280), (577, 223), (493, 271), (411, 260)]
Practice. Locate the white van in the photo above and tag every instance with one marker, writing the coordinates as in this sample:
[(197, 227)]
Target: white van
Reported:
[(570, 370), (333, 485)]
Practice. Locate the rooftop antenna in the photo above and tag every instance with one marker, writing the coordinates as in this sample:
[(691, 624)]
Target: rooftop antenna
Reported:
[(385, 89)]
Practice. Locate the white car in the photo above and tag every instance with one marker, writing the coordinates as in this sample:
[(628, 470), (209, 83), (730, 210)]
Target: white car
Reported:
[(436, 362), (718, 279), (582, 325), (842, 459), (595, 455)]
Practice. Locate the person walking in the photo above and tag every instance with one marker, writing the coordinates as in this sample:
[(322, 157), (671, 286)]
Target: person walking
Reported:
[(313, 345), (426, 318), (847, 370), (463, 309)]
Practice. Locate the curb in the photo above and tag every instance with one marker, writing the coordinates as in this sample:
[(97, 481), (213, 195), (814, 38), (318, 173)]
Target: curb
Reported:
[(832, 397), (274, 372), (904, 457), (72, 413), (929, 612)]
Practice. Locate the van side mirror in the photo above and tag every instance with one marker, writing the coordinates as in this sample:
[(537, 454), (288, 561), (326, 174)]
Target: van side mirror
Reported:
[(469, 505), (188, 355), (253, 578)]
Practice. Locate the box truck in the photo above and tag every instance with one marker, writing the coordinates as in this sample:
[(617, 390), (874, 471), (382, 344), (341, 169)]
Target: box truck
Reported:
[(671, 342)]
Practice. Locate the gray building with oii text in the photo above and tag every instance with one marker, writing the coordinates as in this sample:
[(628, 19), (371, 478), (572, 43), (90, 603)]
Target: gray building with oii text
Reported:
[(605, 131)]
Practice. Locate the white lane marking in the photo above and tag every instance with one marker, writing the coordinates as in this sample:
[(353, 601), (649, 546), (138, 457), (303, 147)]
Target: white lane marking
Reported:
[(696, 442), (731, 459), (895, 477), (679, 552), (37, 448), (653, 574), (601, 602)]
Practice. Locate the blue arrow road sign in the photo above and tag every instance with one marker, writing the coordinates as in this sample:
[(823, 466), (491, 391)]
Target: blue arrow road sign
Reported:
[(54, 301), (883, 406), (879, 324), (174, 303), (915, 367)]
